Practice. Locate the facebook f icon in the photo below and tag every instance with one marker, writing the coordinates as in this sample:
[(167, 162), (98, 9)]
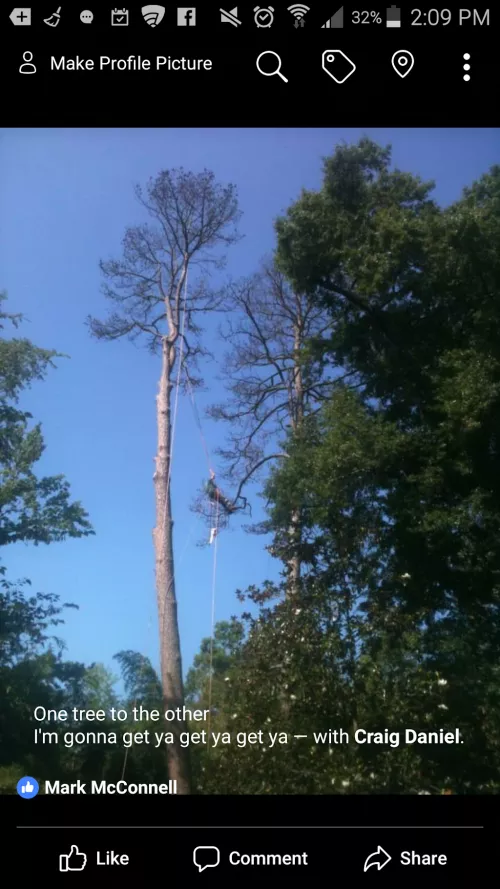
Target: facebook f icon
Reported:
[(186, 16), (27, 788)]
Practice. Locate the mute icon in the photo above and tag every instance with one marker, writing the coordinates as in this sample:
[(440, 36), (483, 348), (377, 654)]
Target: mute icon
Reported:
[(231, 16)]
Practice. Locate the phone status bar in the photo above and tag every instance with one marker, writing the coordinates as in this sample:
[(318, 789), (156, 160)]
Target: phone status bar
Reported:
[(297, 16)]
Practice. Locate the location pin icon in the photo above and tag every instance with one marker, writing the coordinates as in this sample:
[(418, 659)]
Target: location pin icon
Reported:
[(402, 62)]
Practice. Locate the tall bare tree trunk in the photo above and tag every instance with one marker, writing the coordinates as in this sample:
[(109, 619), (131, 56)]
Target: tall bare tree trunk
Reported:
[(191, 214), (297, 416), (293, 564), (170, 647)]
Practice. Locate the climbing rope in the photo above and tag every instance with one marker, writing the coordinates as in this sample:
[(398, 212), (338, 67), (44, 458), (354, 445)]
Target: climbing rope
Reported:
[(214, 539), (212, 625), (198, 422)]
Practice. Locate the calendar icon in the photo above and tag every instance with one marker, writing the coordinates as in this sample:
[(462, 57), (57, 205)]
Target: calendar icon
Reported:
[(119, 17)]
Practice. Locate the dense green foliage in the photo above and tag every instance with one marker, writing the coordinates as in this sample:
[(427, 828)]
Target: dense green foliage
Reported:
[(397, 481)]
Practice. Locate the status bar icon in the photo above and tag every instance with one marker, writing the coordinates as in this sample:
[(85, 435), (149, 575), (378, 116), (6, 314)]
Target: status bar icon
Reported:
[(336, 21), (231, 16), (21, 15), (393, 17), (119, 17)]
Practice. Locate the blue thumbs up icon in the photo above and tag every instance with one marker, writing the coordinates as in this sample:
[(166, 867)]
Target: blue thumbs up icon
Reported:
[(27, 787)]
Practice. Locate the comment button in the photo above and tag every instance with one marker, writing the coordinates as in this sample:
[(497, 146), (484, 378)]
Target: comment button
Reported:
[(205, 857)]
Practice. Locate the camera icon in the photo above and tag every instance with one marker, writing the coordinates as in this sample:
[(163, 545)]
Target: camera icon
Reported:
[(337, 65)]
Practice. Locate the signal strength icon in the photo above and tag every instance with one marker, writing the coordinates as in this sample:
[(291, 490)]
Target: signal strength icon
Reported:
[(336, 21), (299, 11), (153, 15)]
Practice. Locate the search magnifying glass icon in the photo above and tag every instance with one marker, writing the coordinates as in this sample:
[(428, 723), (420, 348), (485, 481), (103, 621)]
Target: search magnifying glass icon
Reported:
[(277, 70)]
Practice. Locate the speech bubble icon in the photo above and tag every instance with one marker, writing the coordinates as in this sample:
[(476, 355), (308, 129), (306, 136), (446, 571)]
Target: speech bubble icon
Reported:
[(206, 856)]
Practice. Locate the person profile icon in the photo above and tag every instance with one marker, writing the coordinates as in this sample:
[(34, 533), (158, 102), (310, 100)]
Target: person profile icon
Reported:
[(28, 67)]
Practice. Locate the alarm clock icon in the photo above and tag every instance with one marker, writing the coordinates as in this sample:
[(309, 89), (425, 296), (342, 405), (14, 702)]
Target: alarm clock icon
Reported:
[(263, 16)]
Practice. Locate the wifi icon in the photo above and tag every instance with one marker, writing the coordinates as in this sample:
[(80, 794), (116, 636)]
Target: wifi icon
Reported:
[(298, 10), (153, 15)]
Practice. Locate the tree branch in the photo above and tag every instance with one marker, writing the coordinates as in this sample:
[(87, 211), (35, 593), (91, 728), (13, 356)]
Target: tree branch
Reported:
[(254, 468)]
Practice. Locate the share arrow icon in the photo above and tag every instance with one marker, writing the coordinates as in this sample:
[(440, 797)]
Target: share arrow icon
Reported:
[(377, 859)]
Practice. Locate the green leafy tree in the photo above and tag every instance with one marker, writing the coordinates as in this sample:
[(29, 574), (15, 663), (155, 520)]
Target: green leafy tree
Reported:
[(416, 327), (34, 510), (397, 481), (209, 687), (412, 292), (99, 688), (140, 678), (33, 673), (209, 677)]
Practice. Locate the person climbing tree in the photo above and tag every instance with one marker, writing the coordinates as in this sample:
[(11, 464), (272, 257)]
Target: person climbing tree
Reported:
[(215, 495)]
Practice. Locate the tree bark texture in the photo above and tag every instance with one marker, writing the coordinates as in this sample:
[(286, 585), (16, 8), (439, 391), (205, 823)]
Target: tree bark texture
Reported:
[(178, 758), (297, 416)]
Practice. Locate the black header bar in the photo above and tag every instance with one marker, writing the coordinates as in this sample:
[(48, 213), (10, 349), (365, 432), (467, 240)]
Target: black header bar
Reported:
[(365, 74)]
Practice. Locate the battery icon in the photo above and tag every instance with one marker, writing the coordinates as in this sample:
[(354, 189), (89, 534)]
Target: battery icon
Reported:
[(393, 17)]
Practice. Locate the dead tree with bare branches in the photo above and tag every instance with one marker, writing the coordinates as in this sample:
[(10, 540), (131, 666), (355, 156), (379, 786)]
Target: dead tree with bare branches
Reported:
[(191, 217), (273, 383)]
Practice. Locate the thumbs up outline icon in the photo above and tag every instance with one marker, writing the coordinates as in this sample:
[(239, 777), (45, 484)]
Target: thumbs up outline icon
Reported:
[(74, 860)]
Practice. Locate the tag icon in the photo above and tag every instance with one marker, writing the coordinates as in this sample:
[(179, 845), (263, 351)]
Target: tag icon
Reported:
[(337, 65), (402, 62)]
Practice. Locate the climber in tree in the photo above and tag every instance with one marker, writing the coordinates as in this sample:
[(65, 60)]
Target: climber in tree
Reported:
[(215, 494)]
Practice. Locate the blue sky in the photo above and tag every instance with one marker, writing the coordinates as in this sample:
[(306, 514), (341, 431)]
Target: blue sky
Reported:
[(66, 199)]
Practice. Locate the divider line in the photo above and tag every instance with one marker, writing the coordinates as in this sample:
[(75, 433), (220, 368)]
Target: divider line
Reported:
[(251, 827)]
